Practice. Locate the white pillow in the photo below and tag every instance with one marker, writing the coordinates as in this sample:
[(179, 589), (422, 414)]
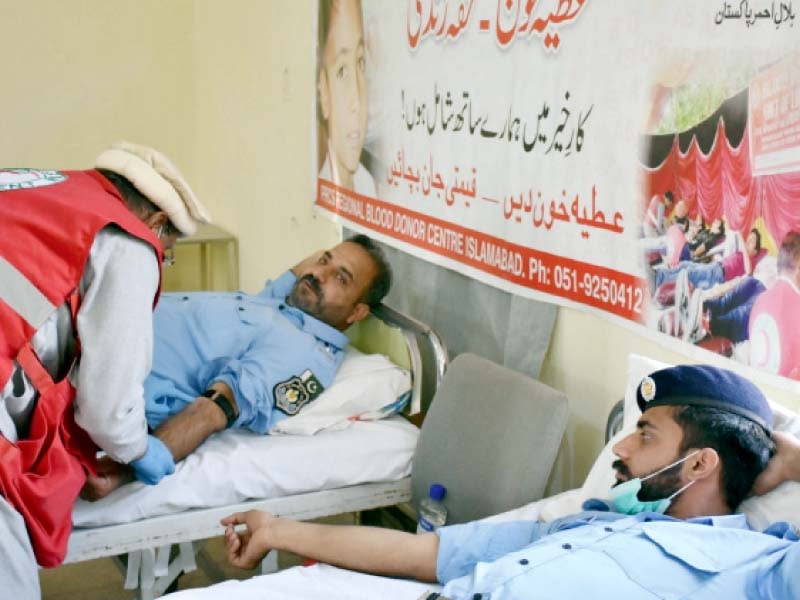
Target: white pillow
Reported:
[(366, 387), (781, 504)]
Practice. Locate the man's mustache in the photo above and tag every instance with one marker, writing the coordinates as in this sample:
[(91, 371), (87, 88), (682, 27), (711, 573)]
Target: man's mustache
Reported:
[(313, 282), (621, 468)]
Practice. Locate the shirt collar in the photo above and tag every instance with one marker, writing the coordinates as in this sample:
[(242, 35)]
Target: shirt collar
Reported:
[(735, 521), (321, 331)]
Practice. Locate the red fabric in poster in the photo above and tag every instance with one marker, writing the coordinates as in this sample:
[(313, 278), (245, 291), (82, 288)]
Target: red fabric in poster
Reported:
[(720, 184)]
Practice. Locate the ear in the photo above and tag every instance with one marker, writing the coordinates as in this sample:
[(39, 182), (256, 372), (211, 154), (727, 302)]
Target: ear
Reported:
[(360, 312), (703, 464), (156, 220), (324, 94)]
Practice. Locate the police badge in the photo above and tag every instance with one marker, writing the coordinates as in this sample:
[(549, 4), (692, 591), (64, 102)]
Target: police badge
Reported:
[(294, 393)]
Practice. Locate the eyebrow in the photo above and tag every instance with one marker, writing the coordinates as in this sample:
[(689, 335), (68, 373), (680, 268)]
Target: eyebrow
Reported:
[(645, 424), (345, 51)]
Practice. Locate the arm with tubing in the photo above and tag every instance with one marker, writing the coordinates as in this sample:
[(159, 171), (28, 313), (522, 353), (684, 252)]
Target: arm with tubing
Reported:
[(367, 549)]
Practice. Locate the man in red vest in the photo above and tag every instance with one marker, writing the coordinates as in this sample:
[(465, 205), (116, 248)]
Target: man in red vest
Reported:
[(80, 271)]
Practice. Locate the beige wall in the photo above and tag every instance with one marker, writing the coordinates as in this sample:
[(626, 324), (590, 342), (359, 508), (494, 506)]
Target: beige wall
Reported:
[(253, 89), (225, 89), (80, 74)]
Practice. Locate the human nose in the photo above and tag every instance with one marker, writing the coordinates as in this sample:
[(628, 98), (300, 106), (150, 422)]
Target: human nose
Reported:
[(320, 272), (356, 91), (622, 447)]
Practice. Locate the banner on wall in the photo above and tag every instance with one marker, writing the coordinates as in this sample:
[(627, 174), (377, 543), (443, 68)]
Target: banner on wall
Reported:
[(615, 156)]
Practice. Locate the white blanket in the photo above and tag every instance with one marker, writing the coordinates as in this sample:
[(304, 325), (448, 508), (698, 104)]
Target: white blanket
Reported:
[(237, 465), (317, 582)]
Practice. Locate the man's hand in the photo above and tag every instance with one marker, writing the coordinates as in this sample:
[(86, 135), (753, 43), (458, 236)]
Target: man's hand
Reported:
[(245, 549), (784, 466), (110, 475), (305, 264)]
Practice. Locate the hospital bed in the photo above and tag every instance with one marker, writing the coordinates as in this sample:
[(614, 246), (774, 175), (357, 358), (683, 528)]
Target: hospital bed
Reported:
[(353, 465), (326, 582)]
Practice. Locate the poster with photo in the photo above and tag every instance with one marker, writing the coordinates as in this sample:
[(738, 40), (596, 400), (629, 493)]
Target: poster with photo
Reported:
[(638, 159)]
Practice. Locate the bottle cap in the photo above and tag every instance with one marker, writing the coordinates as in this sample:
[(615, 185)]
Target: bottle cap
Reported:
[(437, 491)]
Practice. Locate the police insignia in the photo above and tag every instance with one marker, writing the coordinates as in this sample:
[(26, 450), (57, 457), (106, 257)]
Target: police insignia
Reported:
[(294, 393), (648, 389), (19, 179)]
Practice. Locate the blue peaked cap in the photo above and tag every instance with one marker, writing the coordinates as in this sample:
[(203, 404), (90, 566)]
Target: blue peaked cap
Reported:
[(704, 385)]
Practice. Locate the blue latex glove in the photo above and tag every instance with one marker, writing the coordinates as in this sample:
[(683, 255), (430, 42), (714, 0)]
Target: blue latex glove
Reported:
[(156, 462)]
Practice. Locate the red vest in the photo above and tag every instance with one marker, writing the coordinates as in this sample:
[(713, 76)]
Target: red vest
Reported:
[(48, 222)]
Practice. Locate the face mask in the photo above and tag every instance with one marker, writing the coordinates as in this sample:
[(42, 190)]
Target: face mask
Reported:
[(625, 496)]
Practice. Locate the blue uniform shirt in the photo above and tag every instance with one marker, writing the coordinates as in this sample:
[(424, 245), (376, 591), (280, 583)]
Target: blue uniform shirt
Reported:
[(274, 357), (603, 555)]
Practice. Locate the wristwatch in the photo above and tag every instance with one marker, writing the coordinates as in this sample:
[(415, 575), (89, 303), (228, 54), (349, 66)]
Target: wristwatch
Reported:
[(220, 400)]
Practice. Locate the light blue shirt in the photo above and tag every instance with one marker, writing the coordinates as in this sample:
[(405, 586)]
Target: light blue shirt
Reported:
[(605, 555), (274, 357)]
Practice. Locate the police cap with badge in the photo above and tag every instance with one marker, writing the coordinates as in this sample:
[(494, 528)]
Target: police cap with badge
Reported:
[(704, 385)]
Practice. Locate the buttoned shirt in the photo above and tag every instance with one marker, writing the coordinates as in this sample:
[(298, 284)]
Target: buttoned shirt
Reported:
[(599, 554), (274, 357)]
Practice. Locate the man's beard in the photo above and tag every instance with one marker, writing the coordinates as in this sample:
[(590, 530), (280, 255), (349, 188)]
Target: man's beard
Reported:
[(309, 303), (658, 487)]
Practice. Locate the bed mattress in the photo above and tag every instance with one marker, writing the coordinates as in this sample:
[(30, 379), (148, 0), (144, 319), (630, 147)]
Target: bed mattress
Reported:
[(237, 465)]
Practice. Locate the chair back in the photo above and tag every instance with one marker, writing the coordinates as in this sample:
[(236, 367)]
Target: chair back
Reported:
[(490, 437)]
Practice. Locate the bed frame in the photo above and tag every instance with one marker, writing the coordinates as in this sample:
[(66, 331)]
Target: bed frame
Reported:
[(160, 548)]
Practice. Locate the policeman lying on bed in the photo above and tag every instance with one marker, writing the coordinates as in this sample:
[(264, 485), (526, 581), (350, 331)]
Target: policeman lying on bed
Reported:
[(667, 529), (238, 360)]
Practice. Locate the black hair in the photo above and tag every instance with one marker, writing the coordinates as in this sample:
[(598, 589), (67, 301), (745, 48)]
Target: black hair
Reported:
[(789, 253), (380, 284), (744, 447), (668, 196), (757, 233), (137, 202)]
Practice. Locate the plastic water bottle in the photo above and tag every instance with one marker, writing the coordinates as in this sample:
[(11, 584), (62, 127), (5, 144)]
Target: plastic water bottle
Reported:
[(432, 512)]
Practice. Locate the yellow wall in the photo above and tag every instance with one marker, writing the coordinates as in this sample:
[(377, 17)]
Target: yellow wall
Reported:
[(253, 86), (78, 75), (225, 89)]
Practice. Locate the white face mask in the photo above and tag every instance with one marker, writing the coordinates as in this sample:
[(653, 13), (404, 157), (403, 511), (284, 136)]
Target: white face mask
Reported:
[(625, 496)]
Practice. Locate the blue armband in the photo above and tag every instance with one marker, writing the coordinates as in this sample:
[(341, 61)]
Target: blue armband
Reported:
[(156, 462)]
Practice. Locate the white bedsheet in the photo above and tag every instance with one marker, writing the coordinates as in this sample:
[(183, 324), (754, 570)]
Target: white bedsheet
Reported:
[(237, 465), (317, 582)]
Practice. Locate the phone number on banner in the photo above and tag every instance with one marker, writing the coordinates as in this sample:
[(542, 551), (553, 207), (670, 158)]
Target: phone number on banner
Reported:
[(580, 283), (612, 291)]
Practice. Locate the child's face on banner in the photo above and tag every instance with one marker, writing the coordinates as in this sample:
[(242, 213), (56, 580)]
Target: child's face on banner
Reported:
[(343, 87)]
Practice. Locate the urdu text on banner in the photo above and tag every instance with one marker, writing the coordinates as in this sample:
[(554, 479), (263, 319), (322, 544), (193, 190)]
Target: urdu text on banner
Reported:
[(636, 158)]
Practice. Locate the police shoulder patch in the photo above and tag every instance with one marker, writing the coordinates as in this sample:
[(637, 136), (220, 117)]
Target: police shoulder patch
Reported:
[(294, 393)]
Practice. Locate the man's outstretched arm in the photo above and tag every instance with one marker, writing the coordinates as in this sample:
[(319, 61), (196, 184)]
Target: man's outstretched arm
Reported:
[(181, 433), (366, 549)]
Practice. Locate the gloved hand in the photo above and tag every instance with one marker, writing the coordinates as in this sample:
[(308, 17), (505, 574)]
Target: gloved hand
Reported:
[(156, 462)]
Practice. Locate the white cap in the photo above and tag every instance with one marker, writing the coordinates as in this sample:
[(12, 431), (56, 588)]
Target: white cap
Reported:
[(154, 175)]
